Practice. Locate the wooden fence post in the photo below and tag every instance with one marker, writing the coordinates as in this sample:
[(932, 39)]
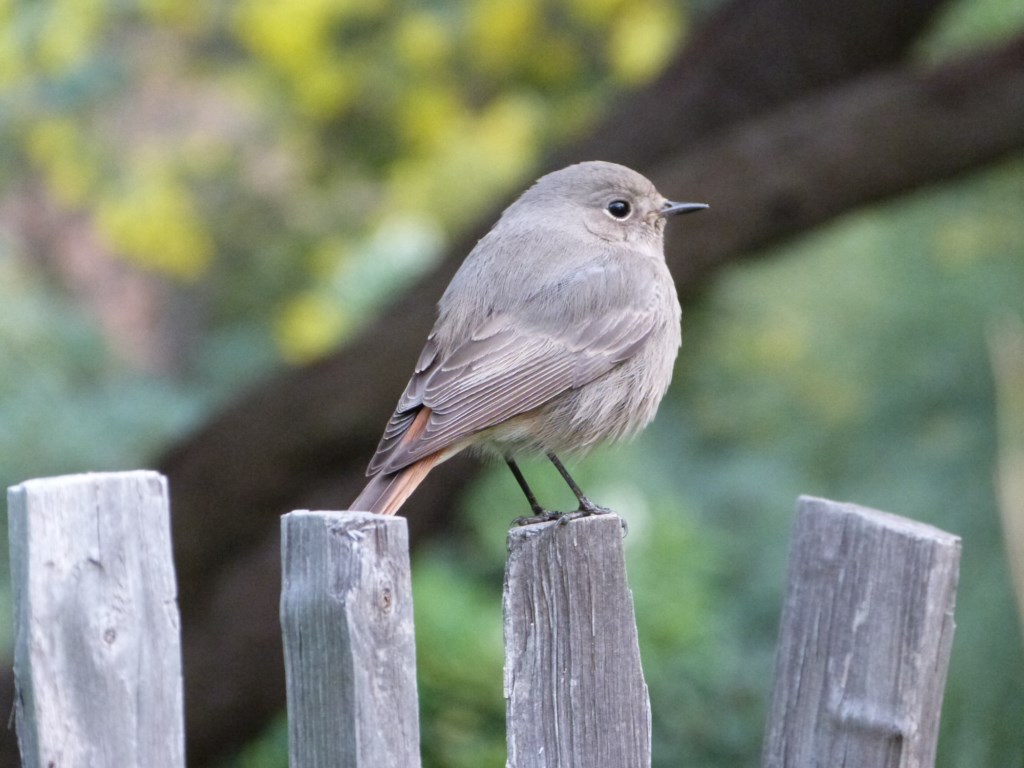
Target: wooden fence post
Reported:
[(350, 657), (97, 655), (865, 640), (575, 692)]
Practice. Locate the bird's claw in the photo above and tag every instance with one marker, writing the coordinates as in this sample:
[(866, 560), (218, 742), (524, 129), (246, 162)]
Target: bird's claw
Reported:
[(588, 508), (538, 516)]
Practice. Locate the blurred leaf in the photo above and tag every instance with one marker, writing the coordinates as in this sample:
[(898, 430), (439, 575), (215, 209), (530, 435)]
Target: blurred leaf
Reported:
[(643, 39), (1006, 345), (155, 222), (459, 659)]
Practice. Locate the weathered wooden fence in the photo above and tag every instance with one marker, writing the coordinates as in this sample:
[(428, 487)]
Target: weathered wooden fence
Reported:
[(863, 647), (97, 649)]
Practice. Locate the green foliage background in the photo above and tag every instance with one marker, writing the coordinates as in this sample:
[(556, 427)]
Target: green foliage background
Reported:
[(286, 167)]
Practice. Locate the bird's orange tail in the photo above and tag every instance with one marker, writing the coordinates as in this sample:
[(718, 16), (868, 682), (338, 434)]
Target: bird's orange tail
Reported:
[(385, 493)]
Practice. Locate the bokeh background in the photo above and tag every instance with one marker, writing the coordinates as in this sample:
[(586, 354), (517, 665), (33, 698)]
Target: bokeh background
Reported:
[(200, 198)]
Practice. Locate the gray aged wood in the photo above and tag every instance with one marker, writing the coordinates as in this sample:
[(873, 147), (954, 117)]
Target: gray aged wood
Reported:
[(97, 655), (574, 690), (865, 640), (350, 654)]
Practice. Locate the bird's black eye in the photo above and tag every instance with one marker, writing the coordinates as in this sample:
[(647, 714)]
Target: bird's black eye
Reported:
[(619, 209)]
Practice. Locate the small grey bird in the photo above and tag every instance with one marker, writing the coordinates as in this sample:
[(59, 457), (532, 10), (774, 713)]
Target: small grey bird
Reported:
[(558, 332)]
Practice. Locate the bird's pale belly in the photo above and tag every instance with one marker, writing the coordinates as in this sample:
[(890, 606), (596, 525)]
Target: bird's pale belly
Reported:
[(613, 407)]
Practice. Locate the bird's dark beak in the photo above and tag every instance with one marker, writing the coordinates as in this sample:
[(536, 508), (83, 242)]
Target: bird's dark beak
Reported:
[(671, 209)]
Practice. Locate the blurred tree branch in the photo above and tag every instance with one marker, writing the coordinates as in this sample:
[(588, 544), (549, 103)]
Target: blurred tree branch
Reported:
[(778, 115), (881, 135)]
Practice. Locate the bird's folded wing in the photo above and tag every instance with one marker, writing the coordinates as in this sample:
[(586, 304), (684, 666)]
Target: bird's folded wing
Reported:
[(504, 369)]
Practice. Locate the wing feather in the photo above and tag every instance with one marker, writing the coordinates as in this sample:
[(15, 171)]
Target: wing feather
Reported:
[(504, 369)]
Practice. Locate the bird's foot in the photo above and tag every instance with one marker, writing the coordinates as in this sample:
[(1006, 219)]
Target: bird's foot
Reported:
[(539, 515), (587, 508)]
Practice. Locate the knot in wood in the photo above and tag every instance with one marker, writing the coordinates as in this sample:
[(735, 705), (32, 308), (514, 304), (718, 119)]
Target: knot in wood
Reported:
[(387, 599)]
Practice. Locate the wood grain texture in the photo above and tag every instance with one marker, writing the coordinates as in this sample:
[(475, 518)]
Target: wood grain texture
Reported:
[(350, 657), (97, 655), (574, 689), (865, 640)]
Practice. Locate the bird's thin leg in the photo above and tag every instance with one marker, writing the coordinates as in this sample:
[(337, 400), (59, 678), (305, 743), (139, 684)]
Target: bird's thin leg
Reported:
[(518, 474), (540, 515), (587, 507)]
